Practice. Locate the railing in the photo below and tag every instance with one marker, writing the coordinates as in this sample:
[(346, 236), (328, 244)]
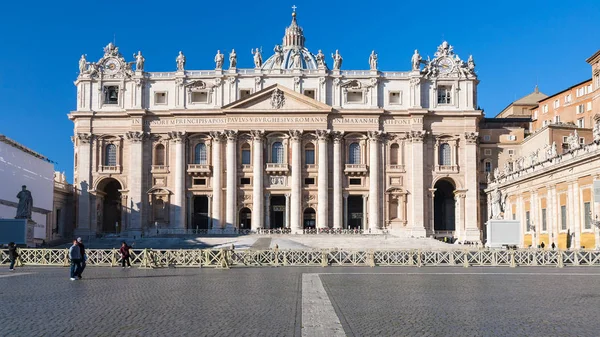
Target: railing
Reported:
[(355, 168), (277, 168), (160, 74), (246, 168), (225, 258), (355, 72), (159, 169), (394, 74), (447, 168), (311, 167), (396, 168), (109, 169), (198, 231), (199, 169), (200, 73)]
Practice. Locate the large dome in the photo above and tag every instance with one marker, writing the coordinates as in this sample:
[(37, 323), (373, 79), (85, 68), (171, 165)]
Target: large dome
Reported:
[(293, 42)]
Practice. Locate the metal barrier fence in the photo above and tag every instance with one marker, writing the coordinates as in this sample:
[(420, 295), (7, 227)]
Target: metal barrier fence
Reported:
[(226, 258)]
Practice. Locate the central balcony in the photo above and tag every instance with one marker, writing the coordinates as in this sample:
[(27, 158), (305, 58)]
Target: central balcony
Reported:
[(311, 167), (159, 169), (356, 169), (109, 169), (277, 168), (446, 168), (199, 169)]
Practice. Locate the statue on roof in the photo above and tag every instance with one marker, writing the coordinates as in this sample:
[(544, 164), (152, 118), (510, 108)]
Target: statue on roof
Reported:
[(596, 132), (471, 65), (232, 59), (337, 60), (373, 60), (82, 64), (278, 56), (257, 57), (139, 61), (296, 59), (219, 60), (180, 61), (320, 57), (111, 50), (416, 61), (573, 141)]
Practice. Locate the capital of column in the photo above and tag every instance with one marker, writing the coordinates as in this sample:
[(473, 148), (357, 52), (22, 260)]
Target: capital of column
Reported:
[(296, 135), (460, 194), (177, 136), (136, 136), (217, 136), (323, 134), (337, 136), (471, 137), (84, 137), (231, 135), (432, 192), (374, 136), (257, 135), (417, 136)]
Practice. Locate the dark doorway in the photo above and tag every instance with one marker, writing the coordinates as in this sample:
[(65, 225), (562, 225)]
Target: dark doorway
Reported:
[(355, 212), (443, 218), (277, 211), (111, 215), (309, 219), (245, 218), (200, 217)]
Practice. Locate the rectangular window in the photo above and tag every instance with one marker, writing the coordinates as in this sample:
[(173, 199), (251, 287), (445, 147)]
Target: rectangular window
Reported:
[(160, 98), (309, 156), (444, 94), (580, 123), (587, 213), (511, 152), (544, 108), (111, 94), (527, 222), (580, 108), (556, 119), (199, 97), (535, 115), (395, 97), (245, 157), (245, 93), (556, 104), (487, 138), (589, 106), (488, 166), (568, 98), (563, 218), (546, 122), (581, 140), (309, 93), (355, 181), (199, 181), (564, 139), (487, 152), (355, 96), (244, 181), (309, 181), (544, 220)]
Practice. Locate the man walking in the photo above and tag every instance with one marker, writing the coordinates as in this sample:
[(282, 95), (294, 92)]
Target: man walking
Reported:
[(75, 257), (12, 255), (83, 257)]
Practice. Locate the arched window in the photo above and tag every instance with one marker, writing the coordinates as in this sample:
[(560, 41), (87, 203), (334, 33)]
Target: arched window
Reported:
[(394, 154), (277, 153), (200, 154), (309, 154), (159, 155), (110, 155), (354, 154), (246, 154), (444, 152)]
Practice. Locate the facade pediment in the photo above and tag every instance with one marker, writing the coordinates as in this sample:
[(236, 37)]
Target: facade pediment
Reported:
[(277, 99)]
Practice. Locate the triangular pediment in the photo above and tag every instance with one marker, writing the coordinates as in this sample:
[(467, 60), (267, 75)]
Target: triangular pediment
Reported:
[(277, 98)]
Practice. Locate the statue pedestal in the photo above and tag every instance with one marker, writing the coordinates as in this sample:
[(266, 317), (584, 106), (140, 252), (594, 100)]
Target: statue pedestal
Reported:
[(502, 232), (30, 233)]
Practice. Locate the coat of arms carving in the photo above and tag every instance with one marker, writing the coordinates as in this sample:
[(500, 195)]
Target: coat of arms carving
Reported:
[(277, 99)]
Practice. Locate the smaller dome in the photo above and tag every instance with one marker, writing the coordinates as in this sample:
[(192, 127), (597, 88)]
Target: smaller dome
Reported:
[(307, 59)]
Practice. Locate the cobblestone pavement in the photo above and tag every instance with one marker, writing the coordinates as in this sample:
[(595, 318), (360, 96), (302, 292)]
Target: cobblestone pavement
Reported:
[(442, 301)]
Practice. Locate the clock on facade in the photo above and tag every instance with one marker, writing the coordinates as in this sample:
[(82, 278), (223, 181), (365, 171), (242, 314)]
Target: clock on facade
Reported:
[(111, 66), (445, 65)]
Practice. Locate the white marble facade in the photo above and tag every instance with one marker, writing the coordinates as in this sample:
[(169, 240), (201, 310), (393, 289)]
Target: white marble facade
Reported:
[(290, 143)]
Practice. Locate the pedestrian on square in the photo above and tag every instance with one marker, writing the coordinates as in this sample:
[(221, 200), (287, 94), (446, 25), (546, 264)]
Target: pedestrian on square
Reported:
[(13, 254), (125, 255), (75, 257), (553, 245), (83, 257), (542, 245)]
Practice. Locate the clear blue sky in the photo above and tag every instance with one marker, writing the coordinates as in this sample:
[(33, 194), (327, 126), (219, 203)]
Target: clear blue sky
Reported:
[(516, 44)]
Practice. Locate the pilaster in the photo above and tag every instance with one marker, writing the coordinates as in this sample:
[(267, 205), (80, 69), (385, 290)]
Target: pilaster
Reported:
[(323, 180), (338, 208), (257, 174), (374, 177), (217, 184), (417, 223), (83, 141), (135, 182), (296, 182), (472, 232), (231, 191), (178, 219)]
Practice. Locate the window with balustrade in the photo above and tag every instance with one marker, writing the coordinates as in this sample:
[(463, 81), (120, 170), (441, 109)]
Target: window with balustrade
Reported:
[(200, 156), (277, 153), (445, 154), (110, 155), (354, 153), (395, 154), (159, 155), (246, 154), (309, 154)]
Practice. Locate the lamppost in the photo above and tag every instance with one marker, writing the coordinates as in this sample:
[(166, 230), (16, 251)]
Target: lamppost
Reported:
[(533, 235)]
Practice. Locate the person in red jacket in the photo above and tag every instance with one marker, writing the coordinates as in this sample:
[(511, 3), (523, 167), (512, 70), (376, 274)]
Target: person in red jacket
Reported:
[(125, 255)]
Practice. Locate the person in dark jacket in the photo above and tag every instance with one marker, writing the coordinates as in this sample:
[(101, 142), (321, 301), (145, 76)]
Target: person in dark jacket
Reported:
[(75, 257), (12, 255), (83, 257), (125, 255)]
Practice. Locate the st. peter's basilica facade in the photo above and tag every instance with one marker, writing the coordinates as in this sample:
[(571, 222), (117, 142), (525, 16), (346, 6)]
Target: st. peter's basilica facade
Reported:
[(297, 142)]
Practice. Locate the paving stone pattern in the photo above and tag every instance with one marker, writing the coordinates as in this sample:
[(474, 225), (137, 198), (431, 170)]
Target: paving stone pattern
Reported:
[(268, 301)]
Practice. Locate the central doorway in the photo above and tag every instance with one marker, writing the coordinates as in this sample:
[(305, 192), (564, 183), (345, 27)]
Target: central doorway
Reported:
[(245, 218), (355, 212), (277, 211), (443, 206), (111, 215), (309, 219), (200, 217)]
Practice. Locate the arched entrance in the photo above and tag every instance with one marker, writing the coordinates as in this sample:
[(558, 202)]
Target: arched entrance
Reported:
[(309, 218), (245, 218), (111, 205), (443, 206)]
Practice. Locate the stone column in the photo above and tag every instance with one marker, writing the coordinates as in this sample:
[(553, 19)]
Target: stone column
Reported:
[(83, 142), (338, 211), (135, 179), (287, 210), (402, 208), (178, 205), (374, 176), (231, 195), (217, 184), (471, 219), (267, 210), (365, 211), (345, 211), (323, 180), (296, 197), (576, 216), (258, 184), (431, 229), (595, 215), (417, 222)]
